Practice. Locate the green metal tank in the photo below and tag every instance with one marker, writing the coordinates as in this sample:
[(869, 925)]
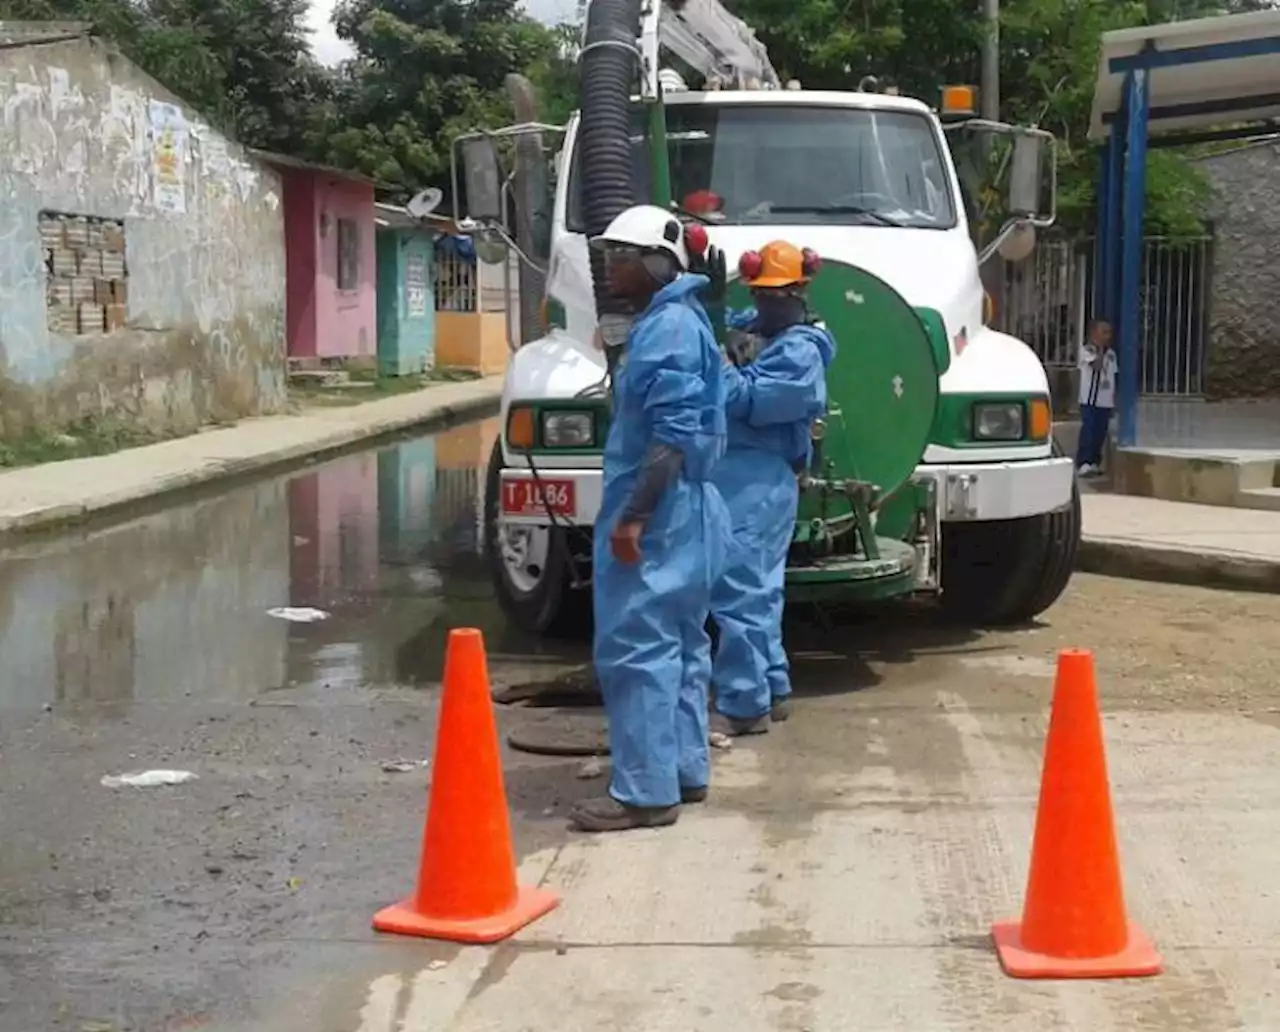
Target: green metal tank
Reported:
[(882, 397)]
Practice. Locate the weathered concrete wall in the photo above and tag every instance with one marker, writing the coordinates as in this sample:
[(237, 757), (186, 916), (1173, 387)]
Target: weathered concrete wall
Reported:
[(193, 317), (1244, 321)]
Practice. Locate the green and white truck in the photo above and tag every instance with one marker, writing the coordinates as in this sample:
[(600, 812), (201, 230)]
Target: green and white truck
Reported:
[(935, 471)]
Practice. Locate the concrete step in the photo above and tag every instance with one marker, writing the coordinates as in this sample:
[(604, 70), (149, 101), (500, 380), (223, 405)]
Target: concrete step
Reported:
[(1260, 498), (1185, 476), (319, 378)]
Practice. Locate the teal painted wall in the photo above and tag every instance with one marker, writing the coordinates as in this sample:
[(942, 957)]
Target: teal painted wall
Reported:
[(406, 489), (406, 302)]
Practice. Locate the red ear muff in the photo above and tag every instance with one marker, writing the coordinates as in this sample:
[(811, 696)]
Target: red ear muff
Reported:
[(810, 262), (750, 265), (695, 238)]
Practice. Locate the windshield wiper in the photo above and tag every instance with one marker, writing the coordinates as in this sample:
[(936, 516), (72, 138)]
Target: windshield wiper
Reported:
[(834, 209), (706, 220)]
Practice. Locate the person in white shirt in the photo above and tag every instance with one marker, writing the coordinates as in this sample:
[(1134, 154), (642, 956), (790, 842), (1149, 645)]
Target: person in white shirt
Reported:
[(1098, 368)]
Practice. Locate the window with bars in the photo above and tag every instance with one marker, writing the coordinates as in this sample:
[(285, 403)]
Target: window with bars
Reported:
[(348, 254)]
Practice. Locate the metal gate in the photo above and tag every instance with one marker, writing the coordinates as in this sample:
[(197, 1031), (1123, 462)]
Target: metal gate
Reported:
[(1048, 299)]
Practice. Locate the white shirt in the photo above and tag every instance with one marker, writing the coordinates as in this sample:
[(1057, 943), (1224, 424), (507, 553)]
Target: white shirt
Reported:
[(1098, 377)]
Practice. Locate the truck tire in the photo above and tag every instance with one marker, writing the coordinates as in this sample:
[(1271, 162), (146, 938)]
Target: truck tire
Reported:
[(547, 604), (1008, 572)]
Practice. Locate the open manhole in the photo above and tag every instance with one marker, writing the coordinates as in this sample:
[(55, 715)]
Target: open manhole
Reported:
[(576, 689)]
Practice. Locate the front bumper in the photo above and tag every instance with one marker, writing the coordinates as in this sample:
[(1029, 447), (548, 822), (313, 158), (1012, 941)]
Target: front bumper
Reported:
[(967, 492), (972, 492)]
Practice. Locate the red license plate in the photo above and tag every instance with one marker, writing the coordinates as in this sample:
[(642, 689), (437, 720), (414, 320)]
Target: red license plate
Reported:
[(536, 498)]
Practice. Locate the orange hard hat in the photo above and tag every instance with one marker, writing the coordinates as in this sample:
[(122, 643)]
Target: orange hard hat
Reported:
[(777, 264)]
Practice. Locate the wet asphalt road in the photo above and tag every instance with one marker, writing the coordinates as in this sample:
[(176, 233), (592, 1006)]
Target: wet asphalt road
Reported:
[(241, 901), (148, 645)]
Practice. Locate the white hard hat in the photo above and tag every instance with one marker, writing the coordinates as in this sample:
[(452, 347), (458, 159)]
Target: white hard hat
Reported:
[(649, 227)]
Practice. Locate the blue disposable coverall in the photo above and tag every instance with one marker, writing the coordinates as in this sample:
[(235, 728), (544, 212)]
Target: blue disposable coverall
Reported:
[(771, 403), (652, 653)]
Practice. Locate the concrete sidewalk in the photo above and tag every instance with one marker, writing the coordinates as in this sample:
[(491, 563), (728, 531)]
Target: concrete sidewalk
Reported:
[(66, 492), (1151, 539)]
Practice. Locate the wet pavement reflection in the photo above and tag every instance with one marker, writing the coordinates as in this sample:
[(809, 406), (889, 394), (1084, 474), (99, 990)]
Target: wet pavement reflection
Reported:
[(175, 605)]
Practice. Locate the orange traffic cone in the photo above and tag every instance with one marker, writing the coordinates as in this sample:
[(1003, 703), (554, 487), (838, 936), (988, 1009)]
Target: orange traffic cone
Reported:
[(1073, 921), (467, 889)]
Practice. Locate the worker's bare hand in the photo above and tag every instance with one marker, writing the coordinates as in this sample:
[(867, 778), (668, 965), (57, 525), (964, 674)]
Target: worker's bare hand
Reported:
[(624, 542)]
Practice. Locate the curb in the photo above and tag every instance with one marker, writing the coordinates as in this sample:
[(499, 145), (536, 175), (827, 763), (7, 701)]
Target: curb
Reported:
[(276, 460), (1117, 557)]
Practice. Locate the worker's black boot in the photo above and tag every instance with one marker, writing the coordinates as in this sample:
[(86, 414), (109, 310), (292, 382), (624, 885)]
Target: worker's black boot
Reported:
[(736, 727), (607, 814), (781, 709)]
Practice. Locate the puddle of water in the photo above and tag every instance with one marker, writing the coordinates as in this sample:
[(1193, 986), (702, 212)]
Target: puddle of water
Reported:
[(175, 605)]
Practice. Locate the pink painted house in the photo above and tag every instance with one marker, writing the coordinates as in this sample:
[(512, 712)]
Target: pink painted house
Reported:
[(331, 262), (333, 522)]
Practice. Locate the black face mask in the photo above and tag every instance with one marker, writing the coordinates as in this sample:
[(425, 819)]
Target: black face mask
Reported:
[(779, 312)]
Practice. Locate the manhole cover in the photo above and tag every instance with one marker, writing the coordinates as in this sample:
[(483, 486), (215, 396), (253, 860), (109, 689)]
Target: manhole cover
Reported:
[(562, 734)]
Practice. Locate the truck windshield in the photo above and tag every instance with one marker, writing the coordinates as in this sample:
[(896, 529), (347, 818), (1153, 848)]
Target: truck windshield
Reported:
[(771, 164)]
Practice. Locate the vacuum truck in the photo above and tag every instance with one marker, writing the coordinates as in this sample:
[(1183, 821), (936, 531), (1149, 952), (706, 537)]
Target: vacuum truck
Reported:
[(934, 468)]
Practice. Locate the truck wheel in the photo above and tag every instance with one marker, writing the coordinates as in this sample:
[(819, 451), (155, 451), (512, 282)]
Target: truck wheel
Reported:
[(1003, 572), (530, 569)]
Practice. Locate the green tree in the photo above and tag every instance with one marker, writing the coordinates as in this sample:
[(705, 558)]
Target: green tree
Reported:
[(914, 44), (555, 74), (424, 71)]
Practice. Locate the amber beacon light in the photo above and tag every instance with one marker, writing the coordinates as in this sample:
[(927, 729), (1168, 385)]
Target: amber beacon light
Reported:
[(958, 100)]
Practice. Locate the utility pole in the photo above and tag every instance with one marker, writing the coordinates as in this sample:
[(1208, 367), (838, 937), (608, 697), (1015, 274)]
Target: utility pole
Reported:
[(991, 61)]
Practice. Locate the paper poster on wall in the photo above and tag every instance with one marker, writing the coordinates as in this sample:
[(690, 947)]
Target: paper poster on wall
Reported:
[(415, 285), (169, 157)]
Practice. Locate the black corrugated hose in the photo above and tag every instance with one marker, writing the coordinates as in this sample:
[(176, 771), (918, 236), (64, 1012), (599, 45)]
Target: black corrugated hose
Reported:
[(608, 77)]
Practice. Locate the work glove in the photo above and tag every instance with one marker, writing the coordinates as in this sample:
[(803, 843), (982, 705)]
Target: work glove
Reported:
[(712, 265), (717, 273)]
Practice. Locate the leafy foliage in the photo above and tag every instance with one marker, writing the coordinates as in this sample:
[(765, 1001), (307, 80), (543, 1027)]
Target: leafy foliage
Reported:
[(424, 71)]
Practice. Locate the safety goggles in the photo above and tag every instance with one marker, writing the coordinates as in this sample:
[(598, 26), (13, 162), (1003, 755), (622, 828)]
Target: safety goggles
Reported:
[(622, 252)]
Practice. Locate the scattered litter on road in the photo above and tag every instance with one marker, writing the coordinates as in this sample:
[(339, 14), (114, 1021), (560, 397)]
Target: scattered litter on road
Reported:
[(298, 614), (436, 965), (719, 740), (148, 779), (403, 766), (592, 768)]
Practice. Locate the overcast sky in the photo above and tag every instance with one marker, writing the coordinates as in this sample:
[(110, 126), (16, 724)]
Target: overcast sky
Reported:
[(329, 49)]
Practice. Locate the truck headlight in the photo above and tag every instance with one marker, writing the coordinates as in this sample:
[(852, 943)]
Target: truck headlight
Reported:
[(568, 429), (998, 421)]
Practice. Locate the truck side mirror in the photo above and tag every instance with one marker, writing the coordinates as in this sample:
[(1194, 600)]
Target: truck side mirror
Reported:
[(491, 248), (1025, 182), (483, 179)]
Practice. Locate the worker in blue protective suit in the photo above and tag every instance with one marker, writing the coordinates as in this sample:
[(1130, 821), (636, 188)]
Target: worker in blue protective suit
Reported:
[(775, 387), (660, 533)]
